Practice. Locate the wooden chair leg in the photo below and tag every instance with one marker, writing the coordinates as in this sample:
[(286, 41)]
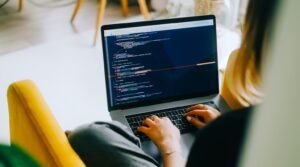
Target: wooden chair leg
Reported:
[(144, 9), (125, 7), (78, 5), (99, 20), (20, 5)]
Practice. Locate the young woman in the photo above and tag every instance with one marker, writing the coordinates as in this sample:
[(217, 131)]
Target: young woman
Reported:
[(218, 142)]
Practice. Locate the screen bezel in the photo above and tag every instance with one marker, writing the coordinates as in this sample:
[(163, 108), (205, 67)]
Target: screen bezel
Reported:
[(149, 23)]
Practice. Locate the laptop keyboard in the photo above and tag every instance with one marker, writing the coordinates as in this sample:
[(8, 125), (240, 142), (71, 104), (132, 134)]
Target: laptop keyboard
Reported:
[(174, 114)]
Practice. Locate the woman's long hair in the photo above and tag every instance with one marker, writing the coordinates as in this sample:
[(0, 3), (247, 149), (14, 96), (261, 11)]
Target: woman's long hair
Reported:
[(245, 74)]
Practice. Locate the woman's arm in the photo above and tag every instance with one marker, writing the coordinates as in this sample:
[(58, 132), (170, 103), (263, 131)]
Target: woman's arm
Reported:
[(166, 137)]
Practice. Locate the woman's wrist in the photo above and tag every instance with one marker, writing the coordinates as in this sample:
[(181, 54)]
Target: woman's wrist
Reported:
[(173, 159), (169, 148), (172, 153)]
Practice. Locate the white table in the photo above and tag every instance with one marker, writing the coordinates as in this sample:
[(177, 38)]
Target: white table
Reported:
[(69, 73)]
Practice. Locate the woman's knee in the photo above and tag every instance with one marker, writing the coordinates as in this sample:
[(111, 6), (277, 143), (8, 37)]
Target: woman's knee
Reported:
[(103, 142)]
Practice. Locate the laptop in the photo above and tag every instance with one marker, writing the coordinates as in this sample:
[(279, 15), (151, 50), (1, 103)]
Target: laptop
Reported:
[(161, 67)]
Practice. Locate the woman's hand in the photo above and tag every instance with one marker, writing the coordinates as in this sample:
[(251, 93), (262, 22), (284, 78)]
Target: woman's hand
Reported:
[(206, 112), (163, 133)]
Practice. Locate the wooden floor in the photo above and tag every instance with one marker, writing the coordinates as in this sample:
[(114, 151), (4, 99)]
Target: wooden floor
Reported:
[(36, 25)]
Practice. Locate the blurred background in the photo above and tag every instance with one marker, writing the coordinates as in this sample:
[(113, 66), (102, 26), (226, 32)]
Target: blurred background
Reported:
[(40, 21)]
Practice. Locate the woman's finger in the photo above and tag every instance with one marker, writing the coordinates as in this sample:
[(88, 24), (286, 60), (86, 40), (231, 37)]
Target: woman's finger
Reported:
[(195, 121), (148, 122), (198, 106), (143, 129), (201, 113), (211, 108), (154, 117)]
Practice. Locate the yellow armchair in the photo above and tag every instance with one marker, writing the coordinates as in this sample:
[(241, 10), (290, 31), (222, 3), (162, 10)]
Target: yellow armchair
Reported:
[(33, 127)]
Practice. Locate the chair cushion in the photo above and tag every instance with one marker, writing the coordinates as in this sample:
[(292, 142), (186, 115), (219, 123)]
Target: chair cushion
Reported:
[(34, 128)]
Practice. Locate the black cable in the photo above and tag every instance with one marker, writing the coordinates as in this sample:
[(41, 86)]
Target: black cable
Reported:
[(4, 3)]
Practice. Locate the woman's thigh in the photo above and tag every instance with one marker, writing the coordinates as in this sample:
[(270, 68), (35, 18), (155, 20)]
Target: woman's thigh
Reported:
[(108, 144)]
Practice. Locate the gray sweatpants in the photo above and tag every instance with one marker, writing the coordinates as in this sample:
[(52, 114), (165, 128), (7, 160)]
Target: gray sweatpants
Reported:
[(109, 145)]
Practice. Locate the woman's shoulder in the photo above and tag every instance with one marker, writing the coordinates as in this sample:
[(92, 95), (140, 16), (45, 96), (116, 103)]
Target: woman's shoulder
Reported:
[(232, 57)]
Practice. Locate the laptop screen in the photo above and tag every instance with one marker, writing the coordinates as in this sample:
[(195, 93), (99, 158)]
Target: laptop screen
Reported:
[(160, 61)]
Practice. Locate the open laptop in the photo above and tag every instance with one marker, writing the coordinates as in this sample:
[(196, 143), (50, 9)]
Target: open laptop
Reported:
[(161, 67)]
